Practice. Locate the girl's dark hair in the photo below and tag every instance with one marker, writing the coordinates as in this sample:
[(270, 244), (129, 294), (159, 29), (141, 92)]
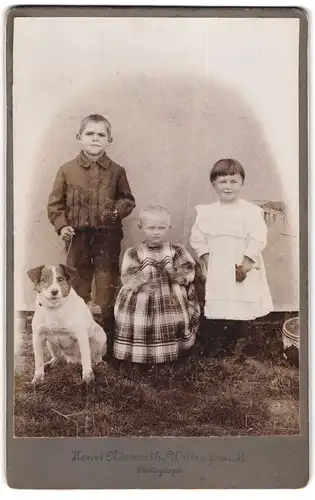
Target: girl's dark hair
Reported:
[(96, 118), (226, 166)]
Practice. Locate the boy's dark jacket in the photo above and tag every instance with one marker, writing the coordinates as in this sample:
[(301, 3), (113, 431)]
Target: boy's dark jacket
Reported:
[(85, 194)]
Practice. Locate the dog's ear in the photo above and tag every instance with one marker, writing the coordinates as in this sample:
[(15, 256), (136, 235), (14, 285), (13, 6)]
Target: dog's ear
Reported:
[(35, 273), (69, 272)]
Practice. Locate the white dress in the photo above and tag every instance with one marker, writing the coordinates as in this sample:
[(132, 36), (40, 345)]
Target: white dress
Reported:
[(228, 232)]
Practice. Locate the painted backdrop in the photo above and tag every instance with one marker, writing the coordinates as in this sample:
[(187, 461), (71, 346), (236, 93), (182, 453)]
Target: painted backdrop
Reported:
[(180, 94)]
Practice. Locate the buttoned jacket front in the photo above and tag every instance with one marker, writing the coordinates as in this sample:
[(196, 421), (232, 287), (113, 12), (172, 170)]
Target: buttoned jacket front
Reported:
[(85, 190)]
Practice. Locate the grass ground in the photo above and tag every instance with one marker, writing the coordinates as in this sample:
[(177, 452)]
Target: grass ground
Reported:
[(197, 396)]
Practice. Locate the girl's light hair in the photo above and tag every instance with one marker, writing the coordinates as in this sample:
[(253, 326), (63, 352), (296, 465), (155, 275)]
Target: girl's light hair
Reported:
[(155, 209), (96, 119)]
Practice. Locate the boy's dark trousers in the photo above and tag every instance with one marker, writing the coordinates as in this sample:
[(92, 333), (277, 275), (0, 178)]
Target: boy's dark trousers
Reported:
[(95, 254)]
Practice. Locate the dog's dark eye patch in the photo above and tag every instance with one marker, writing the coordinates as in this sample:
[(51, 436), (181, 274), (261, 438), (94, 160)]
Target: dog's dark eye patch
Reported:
[(63, 279), (61, 274)]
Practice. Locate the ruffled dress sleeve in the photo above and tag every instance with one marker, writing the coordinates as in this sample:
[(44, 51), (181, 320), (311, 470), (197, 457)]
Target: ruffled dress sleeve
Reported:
[(198, 238), (184, 266), (256, 238), (131, 267)]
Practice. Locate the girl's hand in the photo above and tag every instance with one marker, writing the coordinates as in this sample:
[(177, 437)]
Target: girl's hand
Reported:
[(134, 284), (240, 274), (151, 286), (242, 270), (176, 277)]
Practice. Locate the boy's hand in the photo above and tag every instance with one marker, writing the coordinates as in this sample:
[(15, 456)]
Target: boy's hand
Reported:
[(108, 216), (67, 233), (109, 212)]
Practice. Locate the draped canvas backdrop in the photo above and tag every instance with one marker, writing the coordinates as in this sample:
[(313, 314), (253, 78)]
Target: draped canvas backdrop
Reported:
[(180, 94)]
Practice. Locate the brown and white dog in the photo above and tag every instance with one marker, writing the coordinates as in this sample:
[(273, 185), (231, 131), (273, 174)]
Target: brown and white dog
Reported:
[(63, 321)]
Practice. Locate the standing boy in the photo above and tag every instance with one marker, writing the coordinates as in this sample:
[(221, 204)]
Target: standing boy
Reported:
[(90, 197)]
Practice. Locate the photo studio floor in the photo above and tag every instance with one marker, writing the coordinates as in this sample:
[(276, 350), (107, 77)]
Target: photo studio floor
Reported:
[(197, 396)]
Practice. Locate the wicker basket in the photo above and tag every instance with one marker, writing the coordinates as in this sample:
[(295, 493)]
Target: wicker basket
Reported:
[(20, 322), (291, 333)]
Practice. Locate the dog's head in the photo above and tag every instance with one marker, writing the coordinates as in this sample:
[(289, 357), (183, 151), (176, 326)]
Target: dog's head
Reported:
[(53, 283)]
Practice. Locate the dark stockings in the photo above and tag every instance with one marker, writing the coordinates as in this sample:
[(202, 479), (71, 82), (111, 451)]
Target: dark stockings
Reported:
[(219, 337)]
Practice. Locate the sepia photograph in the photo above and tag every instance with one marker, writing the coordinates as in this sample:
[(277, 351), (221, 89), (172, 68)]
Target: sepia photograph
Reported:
[(156, 226)]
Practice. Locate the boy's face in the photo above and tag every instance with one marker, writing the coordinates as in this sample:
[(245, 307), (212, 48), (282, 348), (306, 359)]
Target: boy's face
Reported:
[(228, 187), (94, 139), (155, 228)]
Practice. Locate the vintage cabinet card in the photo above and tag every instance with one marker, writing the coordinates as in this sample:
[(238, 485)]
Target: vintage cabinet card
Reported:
[(157, 248)]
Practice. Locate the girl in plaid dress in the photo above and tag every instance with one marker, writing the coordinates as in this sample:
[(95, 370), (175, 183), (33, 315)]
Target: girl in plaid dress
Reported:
[(156, 311)]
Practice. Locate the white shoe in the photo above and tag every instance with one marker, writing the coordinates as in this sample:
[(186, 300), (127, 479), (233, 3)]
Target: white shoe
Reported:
[(94, 308)]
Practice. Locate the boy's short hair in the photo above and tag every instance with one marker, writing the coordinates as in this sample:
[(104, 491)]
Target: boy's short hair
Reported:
[(97, 119), (226, 166), (154, 209)]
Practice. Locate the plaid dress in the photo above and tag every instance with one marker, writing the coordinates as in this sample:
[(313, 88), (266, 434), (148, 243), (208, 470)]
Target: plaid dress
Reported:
[(159, 318)]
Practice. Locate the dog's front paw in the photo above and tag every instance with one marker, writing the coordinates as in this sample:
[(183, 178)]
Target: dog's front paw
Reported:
[(49, 364), (98, 360), (87, 377), (38, 377)]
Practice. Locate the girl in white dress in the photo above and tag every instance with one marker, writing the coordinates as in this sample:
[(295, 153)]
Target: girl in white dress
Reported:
[(228, 237)]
